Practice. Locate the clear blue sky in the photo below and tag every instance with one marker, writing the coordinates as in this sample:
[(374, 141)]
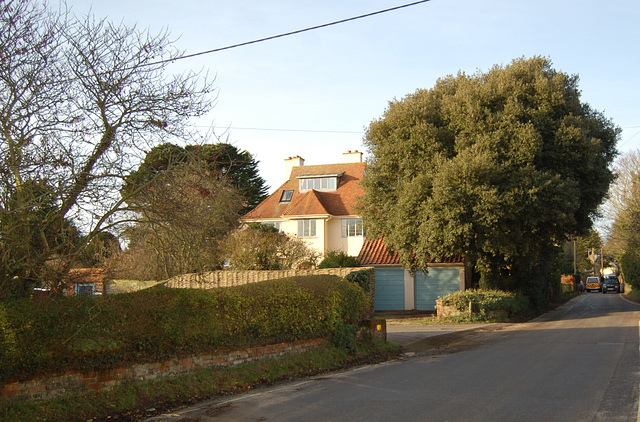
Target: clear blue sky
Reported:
[(313, 94)]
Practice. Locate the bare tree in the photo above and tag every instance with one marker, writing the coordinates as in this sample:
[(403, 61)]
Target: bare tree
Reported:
[(185, 214), (262, 247), (622, 208), (81, 101)]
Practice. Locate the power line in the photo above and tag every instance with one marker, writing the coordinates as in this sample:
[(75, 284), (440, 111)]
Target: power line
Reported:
[(293, 130), (286, 34), (273, 37)]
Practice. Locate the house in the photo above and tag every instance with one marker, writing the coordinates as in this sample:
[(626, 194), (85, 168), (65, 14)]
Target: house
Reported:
[(317, 203), (398, 289), (86, 281)]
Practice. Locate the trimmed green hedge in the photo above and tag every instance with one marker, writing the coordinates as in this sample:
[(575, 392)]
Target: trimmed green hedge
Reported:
[(81, 332), (483, 301)]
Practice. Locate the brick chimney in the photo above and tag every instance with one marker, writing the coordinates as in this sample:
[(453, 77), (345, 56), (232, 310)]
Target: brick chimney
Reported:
[(352, 156), (290, 163)]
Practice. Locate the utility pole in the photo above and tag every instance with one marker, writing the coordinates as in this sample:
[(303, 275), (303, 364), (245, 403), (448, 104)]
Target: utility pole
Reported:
[(575, 256)]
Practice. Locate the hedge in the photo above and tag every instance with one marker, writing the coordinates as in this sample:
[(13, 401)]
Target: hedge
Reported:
[(483, 301), (93, 332)]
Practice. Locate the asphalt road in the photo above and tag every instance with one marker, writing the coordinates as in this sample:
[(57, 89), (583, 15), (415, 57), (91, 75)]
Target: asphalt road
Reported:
[(580, 362)]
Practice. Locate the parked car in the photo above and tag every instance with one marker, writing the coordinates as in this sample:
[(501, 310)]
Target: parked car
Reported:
[(611, 283), (593, 283)]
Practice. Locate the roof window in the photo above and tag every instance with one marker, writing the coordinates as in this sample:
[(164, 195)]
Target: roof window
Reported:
[(286, 196), (322, 183)]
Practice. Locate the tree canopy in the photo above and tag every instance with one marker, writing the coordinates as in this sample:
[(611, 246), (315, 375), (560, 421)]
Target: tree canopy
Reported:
[(238, 166), (498, 166)]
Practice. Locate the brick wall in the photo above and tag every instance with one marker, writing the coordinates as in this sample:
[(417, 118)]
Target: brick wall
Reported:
[(57, 385)]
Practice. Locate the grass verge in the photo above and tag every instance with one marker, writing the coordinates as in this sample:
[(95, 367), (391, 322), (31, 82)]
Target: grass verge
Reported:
[(633, 295), (137, 400)]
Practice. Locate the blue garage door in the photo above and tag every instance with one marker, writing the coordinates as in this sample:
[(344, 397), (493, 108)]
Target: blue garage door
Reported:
[(438, 282), (389, 294)]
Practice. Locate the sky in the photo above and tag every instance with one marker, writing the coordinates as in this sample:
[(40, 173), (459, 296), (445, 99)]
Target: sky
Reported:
[(314, 94)]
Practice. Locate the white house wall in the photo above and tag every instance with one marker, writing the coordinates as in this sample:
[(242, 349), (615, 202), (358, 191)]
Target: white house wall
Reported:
[(335, 242)]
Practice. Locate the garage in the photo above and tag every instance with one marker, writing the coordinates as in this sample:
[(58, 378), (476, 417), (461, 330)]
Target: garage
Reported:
[(389, 294), (438, 282), (397, 289)]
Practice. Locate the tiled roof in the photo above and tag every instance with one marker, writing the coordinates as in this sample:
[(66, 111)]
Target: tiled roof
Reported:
[(375, 252), (87, 275), (341, 202), (308, 203)]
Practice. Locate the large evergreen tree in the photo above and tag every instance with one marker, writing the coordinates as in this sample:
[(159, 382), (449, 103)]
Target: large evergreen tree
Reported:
[(238, 166), (499, 166)]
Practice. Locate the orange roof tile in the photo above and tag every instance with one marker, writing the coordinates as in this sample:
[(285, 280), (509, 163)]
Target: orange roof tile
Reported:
[(375, 252), (308, 203), (341, 202)]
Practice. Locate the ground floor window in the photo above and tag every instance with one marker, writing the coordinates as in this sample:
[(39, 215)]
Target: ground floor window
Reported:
[(306, 228), (84, 289), (352, 227)]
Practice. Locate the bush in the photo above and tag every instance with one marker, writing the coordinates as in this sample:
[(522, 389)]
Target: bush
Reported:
[(362, 278), (484, 301), (85, 332), (335, 259), (344, 337)]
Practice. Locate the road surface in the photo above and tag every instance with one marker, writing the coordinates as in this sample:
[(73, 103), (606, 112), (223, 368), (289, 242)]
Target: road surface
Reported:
[(580, 362)]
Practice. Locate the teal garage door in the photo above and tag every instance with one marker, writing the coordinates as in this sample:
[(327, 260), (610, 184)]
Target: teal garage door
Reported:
[(389, 294), (438, 282)]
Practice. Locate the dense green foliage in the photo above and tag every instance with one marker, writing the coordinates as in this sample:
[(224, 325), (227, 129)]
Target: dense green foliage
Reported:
[(85, 332), (29, 235), (484, 301), (499, 167), (583, 246), (339, 259), (362, 278)]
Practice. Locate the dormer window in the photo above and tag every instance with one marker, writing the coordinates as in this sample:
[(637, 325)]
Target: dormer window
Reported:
[(286, 196), (321, 182)]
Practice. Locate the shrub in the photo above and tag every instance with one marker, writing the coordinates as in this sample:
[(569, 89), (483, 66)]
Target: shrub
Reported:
[(483, 301), (344, 337), (85, 332), (339, 259), (362, 278)]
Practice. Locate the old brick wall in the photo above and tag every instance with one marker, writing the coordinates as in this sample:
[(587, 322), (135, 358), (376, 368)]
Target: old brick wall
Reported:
[(57, 385)]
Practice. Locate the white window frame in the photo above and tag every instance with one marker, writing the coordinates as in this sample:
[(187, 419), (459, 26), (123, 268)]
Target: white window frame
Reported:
[(352, 227), (322, 183), (306, 228), (80, 287)]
